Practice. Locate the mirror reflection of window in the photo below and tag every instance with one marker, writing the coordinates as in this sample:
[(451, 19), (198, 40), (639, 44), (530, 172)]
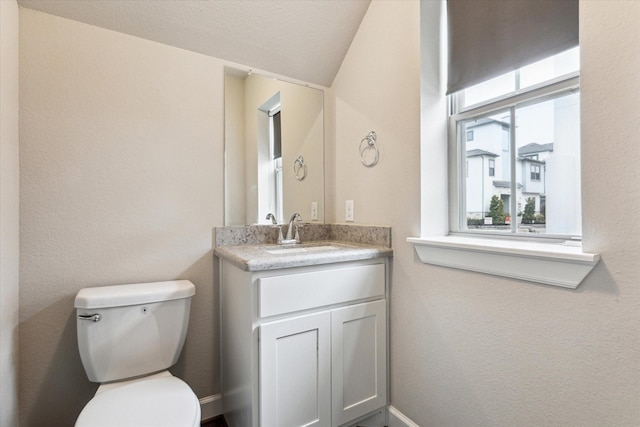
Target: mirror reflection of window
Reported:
[(268, 191), (276, 158)]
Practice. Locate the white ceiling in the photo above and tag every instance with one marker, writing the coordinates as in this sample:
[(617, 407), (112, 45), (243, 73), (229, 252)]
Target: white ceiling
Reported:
[(302, 39)]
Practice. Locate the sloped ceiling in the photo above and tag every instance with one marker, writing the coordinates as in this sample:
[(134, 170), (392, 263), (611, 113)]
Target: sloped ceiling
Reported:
[(302, 39)]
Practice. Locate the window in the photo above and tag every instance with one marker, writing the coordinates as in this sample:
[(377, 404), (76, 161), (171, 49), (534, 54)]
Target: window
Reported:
[(275, 148), (530, 128), (469, 135), (513, 117), (535, 172)]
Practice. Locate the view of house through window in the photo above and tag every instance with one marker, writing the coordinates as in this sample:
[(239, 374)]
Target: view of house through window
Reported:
[(523, 159)]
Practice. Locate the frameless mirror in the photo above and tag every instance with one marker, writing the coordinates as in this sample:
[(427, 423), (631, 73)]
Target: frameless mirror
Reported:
[(274, 149)]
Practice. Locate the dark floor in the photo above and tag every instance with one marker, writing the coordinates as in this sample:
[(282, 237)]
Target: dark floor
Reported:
[(218, 421)]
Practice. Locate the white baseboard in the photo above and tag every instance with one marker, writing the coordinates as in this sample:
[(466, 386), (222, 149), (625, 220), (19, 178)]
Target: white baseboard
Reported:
[(211, 406), (398, 419)]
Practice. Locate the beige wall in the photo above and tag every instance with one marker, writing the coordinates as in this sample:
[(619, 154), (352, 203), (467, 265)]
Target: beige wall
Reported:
[(473, 349), (9, 207), (121, 154), (236, 195), (302, 135)]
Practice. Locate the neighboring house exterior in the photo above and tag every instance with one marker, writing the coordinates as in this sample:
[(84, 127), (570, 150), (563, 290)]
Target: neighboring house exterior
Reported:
[(489, 169), (532, 165)]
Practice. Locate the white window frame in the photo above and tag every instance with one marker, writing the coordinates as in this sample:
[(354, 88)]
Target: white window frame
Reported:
[(276, 167), (551, 89), (549, 262)]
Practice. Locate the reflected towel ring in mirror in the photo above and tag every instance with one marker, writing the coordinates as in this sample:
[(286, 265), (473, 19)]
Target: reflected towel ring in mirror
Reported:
[(368, 150), (299, 168)]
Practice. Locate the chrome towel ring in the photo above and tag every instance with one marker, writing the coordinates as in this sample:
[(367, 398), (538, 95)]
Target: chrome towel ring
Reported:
[(299, 168), (367, 144)]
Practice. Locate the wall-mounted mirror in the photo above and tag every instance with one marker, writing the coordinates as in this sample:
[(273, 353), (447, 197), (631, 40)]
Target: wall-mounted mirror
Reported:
[(274, 149)]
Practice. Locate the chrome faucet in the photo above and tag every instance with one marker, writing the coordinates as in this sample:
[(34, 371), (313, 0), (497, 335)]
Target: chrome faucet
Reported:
[(274, 223), (272, 218), (291, 238)]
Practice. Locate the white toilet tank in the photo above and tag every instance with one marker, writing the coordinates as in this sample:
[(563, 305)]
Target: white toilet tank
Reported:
[(126, 331)]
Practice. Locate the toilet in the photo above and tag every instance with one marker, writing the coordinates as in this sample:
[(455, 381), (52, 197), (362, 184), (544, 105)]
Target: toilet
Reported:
[(128, 336)]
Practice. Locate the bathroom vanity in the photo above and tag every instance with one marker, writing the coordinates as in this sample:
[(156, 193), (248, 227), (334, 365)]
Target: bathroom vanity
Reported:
[(304, 333)]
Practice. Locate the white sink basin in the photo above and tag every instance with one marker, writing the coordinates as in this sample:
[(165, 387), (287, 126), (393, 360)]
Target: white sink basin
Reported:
[(297, 249)]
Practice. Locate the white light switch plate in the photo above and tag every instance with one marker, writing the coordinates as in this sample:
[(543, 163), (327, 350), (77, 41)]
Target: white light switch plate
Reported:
[(348, 214), (314, 211)]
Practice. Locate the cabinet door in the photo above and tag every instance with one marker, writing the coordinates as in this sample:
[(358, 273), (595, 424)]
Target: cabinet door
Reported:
[(359, 360), (295, 358)]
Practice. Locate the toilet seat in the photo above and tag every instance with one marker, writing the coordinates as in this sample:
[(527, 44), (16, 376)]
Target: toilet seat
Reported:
[(153, 401)]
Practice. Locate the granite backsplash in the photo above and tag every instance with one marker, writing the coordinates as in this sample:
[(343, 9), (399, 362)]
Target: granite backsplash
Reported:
[(268, 234)]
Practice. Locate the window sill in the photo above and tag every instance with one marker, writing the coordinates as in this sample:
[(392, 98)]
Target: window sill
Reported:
[(549, 263)]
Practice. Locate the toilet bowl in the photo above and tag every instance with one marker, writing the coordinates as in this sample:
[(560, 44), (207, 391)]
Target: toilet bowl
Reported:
[(156, 400), (128, 336)]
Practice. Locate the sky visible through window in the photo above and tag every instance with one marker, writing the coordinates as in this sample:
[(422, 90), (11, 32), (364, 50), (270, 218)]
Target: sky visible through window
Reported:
[(545, 159)]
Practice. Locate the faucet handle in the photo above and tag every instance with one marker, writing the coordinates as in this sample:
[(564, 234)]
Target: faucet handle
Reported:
[(297, 235)]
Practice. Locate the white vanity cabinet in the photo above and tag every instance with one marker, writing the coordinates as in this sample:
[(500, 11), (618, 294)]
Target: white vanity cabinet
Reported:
[(295, 371), (304, 346)]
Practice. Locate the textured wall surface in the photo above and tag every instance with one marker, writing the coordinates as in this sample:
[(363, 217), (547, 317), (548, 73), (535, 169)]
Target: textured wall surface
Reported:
[(121, 158), (473, 349), (9, 213)]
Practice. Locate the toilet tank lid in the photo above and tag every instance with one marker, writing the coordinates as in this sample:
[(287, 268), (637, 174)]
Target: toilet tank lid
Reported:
[(138, 293)]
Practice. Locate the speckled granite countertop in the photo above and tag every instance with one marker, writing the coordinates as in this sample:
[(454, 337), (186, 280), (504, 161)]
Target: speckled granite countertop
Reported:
[(251, 249), (273, 257)]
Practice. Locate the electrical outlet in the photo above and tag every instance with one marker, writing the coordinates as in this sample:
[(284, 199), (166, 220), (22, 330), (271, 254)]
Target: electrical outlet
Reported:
[(314, 211), (348, 213)]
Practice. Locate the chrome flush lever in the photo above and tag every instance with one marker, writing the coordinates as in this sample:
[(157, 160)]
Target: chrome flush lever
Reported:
[(94, 317)]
